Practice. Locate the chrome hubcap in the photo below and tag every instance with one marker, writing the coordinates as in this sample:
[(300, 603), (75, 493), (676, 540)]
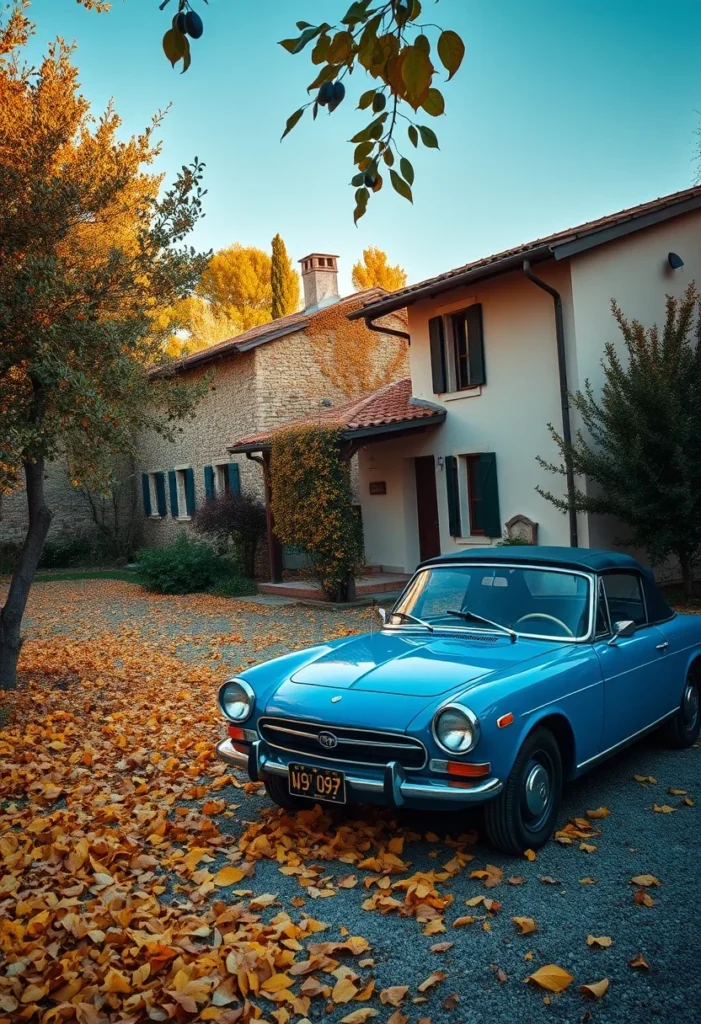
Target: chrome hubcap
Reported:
[(537, 790), (690, 705)]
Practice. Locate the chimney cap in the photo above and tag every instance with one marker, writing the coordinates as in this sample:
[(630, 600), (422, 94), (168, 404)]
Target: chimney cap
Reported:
[(326, 255)]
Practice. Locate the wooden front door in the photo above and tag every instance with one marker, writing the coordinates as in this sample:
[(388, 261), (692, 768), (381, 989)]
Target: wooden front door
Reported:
[(427, 507)]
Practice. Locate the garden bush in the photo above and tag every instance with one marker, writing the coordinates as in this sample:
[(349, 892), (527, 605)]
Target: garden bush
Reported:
[(236, 524), (71, 553), (183, 567)]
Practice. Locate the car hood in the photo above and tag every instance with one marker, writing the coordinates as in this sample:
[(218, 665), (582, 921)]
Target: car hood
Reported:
[(415, 665)]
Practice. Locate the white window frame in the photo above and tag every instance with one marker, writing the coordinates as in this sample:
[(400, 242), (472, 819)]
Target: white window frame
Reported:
[(221, 478), (182, 516), (153, 494)]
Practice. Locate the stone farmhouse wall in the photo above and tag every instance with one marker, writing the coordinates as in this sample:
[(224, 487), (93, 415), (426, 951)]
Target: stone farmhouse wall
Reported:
[(259, 390), (71, 515)]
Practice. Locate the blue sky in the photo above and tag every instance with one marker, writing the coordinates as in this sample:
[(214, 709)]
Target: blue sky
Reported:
[(563, 110)]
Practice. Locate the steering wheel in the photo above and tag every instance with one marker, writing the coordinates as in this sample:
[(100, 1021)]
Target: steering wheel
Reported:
[(542, 615)]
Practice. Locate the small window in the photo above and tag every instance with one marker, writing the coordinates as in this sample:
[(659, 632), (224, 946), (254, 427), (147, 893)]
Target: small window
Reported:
[(221, 480), (182, 493), (625, 598), (468, 347), (153, 495), (474, 495)]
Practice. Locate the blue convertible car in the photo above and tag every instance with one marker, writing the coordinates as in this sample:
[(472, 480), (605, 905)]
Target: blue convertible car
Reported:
[(497, 676)]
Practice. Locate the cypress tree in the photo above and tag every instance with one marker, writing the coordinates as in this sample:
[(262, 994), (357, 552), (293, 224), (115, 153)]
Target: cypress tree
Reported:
[(284, 280), (640, 447)]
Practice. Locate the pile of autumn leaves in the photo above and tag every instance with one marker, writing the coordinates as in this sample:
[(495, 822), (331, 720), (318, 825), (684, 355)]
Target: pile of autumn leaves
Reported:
[(121, 898)]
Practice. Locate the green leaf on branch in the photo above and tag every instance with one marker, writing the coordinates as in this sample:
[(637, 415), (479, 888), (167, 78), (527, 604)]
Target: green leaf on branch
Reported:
[(366, 99), (407, 170), (423, 43), (400, 186), (327, 74), (341, 48), (413, 135), (362, 150), (321, 49), (292, 121), (415, 10), (297, 45), (434, 104), (356, 12), (428, 137), (417, 72), (451, 51), (388, 156)]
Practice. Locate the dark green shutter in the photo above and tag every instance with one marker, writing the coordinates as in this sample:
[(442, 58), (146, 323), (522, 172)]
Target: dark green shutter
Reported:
[(146, 493), (436, 336), (208, 483), (451, 480), (173, 488), (189, 491), (161, 493), (234, 478), (491, 519), (475, 344)]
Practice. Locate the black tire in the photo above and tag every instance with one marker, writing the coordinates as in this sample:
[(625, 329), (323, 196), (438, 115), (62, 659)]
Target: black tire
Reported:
[(683, 730), (523, 816), (277, 788)]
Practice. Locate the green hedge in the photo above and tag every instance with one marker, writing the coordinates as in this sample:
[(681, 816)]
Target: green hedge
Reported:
[(187, 567)]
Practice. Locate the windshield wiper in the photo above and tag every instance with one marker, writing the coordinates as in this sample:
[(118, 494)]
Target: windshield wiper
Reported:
[(467, 615), (412, 618)]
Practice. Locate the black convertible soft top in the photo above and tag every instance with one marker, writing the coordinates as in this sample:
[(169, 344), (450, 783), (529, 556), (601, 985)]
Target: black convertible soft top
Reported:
[(585, 559)]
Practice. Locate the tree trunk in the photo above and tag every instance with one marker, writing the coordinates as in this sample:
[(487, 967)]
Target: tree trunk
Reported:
[(685, 564), (13, 610)]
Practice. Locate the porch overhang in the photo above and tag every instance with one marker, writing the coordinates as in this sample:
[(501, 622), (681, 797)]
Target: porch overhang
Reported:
[(356, 437)]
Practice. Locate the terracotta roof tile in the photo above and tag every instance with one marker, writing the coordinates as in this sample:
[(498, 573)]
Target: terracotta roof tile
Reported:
[(265, 332), (392, 403), (403, 296)]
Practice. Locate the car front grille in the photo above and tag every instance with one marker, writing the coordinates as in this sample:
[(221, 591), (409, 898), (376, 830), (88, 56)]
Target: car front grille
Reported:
[(355, 746)]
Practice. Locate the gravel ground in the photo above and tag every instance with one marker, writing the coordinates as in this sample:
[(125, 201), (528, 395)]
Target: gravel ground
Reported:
[(486, 968)]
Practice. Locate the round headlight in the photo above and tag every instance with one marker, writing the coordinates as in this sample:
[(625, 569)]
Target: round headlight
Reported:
[(456, 729), (236, 699)]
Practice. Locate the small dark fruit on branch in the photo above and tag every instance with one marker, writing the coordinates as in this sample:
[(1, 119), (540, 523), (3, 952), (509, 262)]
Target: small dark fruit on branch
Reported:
[(180, 23), (339, 91), (379, 102), (325, 94), (193, 24)]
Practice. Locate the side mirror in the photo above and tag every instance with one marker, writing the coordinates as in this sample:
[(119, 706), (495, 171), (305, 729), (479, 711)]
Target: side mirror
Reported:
[(621, 630), (382, 612)]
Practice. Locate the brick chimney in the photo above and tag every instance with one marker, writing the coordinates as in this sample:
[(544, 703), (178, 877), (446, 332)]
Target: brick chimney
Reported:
[(320, 279)]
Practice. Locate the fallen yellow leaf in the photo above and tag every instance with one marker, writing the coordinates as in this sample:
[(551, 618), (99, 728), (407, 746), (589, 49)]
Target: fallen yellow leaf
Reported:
[(277, 982), (359, 1016), (645, 880), (551, 977), (526, 925), (663, 808), (432, 980), (529, 854), (393, 995), (639, 961), (344, 990), (229, 875), (596, 989), (602, 941)]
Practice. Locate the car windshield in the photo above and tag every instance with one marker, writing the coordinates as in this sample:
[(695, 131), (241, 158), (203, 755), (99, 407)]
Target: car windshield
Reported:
[(546, 603)]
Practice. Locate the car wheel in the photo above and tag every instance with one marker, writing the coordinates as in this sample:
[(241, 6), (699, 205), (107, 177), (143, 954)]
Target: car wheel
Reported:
[(523, 816), (683, 730), (278, 790)]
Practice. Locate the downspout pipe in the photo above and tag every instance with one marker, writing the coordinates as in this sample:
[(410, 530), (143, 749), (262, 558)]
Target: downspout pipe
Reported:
[(372, 326), (564, 393)]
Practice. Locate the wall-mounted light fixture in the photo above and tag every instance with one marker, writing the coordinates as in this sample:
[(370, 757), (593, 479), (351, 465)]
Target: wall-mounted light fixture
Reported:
[(439, 462), (675, 261)]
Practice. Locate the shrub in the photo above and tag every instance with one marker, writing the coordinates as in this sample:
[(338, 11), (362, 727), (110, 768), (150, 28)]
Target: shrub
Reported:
[(513, 542), (312, 504), (183, 567), (71, 553), (233, 585), (236, 523)]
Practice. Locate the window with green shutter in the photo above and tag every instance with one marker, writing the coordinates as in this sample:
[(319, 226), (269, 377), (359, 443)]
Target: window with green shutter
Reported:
[(483, 495), (208, 483), (453, 493), (234, 478), (468, 347), (161, 493), (173, 488), (436, 334), (189, 492), (146, 493)]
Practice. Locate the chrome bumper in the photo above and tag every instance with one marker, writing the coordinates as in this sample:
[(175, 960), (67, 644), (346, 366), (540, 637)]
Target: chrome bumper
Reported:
[(394, 786)]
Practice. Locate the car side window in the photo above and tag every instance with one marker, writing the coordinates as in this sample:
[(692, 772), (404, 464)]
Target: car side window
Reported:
[(624, 594)]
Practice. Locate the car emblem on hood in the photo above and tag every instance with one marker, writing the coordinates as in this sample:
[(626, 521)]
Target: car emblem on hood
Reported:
[(327, 740), (335, 700)]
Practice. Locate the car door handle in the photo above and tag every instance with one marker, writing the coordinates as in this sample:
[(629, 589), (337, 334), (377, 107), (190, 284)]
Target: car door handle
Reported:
[(663, 647)]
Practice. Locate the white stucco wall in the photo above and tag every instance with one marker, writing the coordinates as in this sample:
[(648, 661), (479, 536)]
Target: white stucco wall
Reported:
[(509, 415)]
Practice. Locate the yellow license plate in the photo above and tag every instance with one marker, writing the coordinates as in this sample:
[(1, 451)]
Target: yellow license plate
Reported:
[(317, 783)]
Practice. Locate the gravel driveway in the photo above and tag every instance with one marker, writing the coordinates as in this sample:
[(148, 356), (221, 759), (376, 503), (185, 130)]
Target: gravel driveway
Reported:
[(569, 892)]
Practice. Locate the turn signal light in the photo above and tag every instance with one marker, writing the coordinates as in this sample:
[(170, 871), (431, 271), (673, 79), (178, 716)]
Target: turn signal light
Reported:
[(471, 771), (505, 720), (236, 733)]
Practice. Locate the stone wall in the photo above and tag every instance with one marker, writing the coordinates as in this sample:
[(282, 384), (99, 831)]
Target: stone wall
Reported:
[(250, 392), (71, 514)]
